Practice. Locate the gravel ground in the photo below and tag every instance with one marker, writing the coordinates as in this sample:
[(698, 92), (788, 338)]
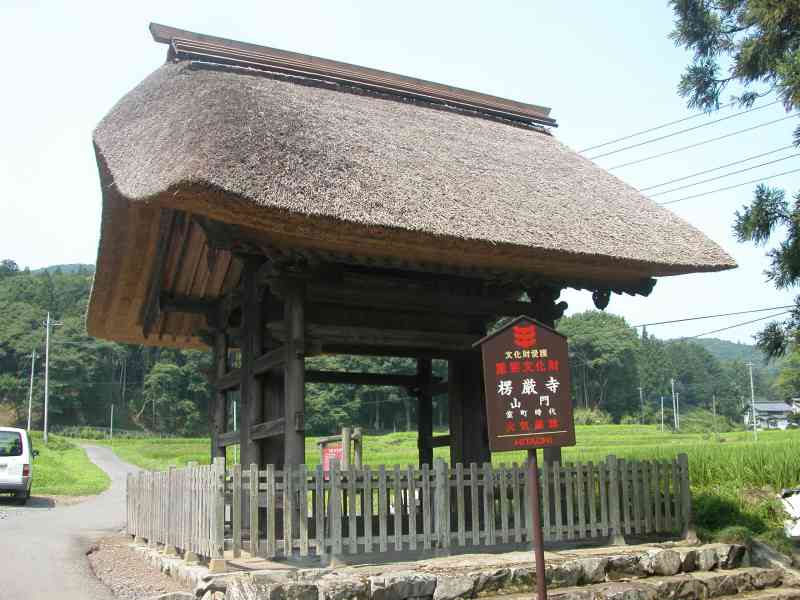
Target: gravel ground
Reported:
[(129, 576)]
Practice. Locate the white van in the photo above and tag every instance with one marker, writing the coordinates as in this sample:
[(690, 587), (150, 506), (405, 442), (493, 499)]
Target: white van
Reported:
[(16, 463)]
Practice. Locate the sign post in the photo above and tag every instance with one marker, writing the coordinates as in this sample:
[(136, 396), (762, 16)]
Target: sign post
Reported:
[(528, 403)]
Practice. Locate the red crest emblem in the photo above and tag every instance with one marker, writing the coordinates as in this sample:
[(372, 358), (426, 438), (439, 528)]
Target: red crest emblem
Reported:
[(525, 336)]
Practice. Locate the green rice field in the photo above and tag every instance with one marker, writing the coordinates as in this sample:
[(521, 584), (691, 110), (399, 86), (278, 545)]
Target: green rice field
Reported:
[(733, 459), (734, 478)]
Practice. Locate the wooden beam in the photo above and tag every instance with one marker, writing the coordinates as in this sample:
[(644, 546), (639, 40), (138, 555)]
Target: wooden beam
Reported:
[(230, 380), (419, 301), (186, 304), (362, 316), (375, 337), (385, 379), (439, 441), (394, 351), (273, 428), (151, 311), (229, 438), (270, 361)]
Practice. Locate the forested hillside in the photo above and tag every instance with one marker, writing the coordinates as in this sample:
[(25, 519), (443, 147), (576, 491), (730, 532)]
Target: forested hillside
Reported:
[(165, 391)]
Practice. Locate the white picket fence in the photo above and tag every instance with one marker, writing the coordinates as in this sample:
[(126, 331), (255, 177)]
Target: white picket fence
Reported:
[(300, 512)]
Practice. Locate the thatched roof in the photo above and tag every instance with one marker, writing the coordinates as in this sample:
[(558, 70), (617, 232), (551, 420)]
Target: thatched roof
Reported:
[(319, 164)]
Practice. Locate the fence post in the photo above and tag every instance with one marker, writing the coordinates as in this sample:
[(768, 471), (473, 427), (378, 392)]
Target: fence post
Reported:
[(236, 511), (216, 563), (616, 538), (254, 506), (169, 538), (442, 499), (189, 552), (687, 531), (335, 505)]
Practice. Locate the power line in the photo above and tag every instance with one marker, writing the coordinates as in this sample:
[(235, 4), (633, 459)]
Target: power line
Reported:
[(718, 177), (730, 187), (695, 145), (731, 314), (656, 128), (730, 164), (674, 133), (786, 312)]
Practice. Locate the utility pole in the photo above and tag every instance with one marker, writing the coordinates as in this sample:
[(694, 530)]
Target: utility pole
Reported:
[(753, 402), (30, 388), (641, 405), (674, 406), (662, 414), (111, 424), (714, 412), (678, 408), (47, 325), (46, 373)]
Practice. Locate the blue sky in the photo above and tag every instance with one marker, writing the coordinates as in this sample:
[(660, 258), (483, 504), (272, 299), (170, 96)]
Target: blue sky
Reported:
[(606, 69)]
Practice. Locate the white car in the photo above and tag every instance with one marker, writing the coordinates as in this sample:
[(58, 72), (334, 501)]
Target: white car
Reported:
[(16, 463)]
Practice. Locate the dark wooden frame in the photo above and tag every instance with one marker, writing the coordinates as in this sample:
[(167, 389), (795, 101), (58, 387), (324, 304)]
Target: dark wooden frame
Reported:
[(289, 306)]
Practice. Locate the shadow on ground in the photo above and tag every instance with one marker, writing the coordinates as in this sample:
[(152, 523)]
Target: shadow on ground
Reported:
[(33, 502)]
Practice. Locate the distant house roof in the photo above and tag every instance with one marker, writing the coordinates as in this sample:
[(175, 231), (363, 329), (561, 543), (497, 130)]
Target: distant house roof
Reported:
[(366, 163), (776, 407)]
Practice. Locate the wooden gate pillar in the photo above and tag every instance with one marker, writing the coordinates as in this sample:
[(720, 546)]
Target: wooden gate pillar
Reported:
[(469, 438), (425, 411), (219, 405), (252, 346), (294, 375)]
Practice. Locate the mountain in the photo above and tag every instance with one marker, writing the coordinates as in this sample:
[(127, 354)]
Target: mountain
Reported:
[(69, 269), (726, 350)]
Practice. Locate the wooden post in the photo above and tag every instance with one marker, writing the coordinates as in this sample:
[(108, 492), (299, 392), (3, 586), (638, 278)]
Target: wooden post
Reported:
[(252, 346), (169, 540), (216, 564), (538, 543), (294, 374), (358, 448), (192, 496), (442, 502), (236, 510), (687, 531), (614, 514), (424, 411), (218, 411), (346, 441), (345, 464), (469, 441), (254, 496)]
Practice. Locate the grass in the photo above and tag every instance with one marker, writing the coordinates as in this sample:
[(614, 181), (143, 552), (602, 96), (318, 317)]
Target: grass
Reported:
[(733, 460), (733, 478), (63, 469)]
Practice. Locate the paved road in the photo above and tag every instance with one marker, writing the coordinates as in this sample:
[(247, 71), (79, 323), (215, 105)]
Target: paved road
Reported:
[(43, 549)]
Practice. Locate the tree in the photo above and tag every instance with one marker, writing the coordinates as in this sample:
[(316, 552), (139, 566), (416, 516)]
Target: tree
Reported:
[(655, 367), (787, 384), (607, 346), (754, 44), (8, 267)]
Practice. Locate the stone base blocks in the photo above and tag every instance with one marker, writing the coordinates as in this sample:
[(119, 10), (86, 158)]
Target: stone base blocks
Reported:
[(723, 571)]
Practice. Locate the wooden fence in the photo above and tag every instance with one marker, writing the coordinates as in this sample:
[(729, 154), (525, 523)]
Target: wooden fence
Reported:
[(180, 508), (300, 512)]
